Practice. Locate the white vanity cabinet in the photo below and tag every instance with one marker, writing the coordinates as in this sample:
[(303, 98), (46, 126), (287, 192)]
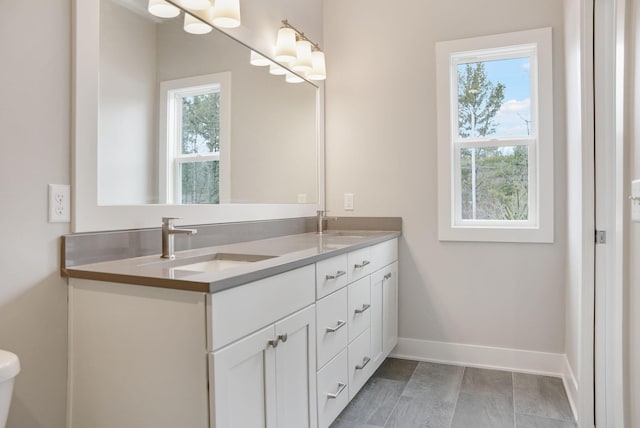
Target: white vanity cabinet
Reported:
[(286, 351), (347, 359)]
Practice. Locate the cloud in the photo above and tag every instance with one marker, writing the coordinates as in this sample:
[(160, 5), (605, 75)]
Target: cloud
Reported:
[(515, 106)]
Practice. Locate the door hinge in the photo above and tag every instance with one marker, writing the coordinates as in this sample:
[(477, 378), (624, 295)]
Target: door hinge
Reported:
[(601, 236)]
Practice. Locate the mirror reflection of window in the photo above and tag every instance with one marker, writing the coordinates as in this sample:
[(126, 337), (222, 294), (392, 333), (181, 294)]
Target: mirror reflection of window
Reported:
[(196, 126)]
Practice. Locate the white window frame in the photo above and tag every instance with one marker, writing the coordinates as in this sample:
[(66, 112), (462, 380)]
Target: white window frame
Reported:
[(170, 156), (537, 45)]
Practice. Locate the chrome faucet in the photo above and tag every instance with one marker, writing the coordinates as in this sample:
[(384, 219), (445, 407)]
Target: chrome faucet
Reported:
[(168, 230), (322, 214)]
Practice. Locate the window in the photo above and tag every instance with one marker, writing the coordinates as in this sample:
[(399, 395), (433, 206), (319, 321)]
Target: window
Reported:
[(194, 130), (495, 138)]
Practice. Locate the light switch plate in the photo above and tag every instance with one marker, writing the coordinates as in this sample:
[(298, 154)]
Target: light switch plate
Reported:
[(348, 201), (635, 200)]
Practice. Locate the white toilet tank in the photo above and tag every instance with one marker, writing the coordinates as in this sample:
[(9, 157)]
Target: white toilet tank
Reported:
[(9, 368)]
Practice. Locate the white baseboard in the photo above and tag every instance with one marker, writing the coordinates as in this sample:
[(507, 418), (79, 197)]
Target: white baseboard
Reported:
[(544, 363), (571, 386)]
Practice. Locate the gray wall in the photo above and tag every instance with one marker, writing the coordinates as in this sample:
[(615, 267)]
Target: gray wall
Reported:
[(34, 120), (381, 146)]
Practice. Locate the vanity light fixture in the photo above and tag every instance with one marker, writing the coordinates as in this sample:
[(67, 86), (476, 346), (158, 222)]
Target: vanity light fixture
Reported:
[(258, 60), (204, 15), (300, 52), (194, 25), (293, 78), (162, 9), (276, 70)]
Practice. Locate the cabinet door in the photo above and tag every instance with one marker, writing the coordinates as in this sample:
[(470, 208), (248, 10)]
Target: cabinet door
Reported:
[(390, 308), (377, 292), (243, 380), (295, 358)]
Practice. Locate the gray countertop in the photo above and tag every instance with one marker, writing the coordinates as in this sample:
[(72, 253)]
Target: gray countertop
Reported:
[(287, 252)]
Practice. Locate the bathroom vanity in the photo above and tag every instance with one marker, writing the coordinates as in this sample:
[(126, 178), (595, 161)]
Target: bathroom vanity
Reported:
[(279, 332)]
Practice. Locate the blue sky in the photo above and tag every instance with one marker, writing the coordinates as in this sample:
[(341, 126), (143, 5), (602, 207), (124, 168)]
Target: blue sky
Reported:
[(515, 75)]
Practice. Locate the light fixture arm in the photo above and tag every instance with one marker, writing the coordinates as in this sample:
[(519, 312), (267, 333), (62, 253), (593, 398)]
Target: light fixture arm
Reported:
[(300, 34)]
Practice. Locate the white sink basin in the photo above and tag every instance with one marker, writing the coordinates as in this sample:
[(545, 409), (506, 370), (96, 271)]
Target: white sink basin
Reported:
[(213, 265), (212, 262)]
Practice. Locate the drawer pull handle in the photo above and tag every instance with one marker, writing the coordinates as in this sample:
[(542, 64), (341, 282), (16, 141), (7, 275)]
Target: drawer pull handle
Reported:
[(361, 265), (274, 342), (364, 308), (341, 387), (337, 275), (388, 276), (365, 361), (337, 327)]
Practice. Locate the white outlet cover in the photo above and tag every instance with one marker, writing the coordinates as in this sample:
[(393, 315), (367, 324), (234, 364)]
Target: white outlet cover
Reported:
[(635, 201), (348, 202), (59, 203)]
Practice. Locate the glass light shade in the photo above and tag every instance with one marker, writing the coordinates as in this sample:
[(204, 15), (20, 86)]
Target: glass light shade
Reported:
[(319, 69), (196, 4), (277, 70), (194, 26), (292, 78), (303, 56), (286, 45), (258, 60), (226, 13), (162, 9)]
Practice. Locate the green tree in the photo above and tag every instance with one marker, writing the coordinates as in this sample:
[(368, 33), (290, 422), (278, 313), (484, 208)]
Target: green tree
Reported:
[(494, 180), (200, 134), (479, 100)]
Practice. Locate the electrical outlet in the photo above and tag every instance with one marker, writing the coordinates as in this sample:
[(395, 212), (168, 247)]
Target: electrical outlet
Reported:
[(59, 203), (348, 201), (302, 198)]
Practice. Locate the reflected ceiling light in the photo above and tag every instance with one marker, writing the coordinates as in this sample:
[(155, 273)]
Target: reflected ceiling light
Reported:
[(162, 9), (286, 45), (319, 68), (194, 26), (293, 78), (226, 13), (303, 56), (196, 4), (258, 60), (277, 70)]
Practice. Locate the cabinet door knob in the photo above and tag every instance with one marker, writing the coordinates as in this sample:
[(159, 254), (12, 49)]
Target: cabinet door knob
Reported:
[(341, 387), (273, 343), (365, 361), (363, 309), (282, 337), (361, 265), (388, 276), (337, 327), (338, 274)]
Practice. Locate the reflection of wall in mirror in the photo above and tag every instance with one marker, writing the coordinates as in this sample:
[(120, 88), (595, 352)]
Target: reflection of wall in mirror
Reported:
[(127, 114), (273, 123), (273, 137)]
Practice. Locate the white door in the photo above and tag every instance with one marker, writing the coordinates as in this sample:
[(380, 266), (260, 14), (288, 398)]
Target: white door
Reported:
[(295, 358), (390, 308), (610, 92), (243, 380)]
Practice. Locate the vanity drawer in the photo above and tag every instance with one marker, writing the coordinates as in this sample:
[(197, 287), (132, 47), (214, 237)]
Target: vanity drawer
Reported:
[(359, 362), (384, 253), (333, 395), (359, 306), (331, 275), (331, 326), (239, 311), (359, 264)]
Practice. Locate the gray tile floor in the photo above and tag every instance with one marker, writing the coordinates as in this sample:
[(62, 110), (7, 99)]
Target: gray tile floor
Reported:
[(409, 394)]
